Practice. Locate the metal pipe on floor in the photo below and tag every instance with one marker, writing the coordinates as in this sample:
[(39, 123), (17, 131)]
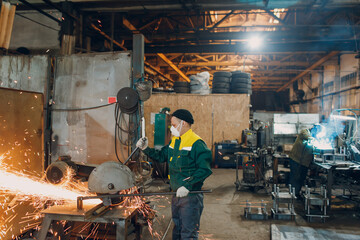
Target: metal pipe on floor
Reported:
[(80, 199)]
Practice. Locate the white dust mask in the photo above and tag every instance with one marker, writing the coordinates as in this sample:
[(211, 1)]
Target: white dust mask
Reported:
[(175, 131)]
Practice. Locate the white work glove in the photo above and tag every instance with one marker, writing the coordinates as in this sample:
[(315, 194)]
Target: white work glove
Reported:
[(142, 143), (182, 192)]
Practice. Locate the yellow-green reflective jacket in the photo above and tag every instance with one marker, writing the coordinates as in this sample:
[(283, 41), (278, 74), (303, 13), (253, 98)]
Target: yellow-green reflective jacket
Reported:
[(189, 161)]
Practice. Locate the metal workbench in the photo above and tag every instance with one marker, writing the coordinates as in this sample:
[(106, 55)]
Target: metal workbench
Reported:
[(121, 217), (331, 167)]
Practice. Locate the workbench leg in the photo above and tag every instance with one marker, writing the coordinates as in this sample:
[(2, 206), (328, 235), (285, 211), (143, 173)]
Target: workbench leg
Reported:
[(121, 230), (275, 170), (138, 227), (45, 225), (329, 184), (138, 231)]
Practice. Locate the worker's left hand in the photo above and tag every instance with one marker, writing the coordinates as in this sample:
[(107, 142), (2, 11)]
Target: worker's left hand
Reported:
[(182, 192)]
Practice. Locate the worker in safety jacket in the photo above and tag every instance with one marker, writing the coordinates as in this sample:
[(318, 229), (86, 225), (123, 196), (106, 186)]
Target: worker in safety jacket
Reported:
[(189, 165), (301, 156)]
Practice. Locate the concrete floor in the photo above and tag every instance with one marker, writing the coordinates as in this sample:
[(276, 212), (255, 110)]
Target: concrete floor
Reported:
[(224, 209)]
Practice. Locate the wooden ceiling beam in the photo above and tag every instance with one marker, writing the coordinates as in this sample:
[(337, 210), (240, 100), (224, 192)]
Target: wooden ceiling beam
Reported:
[(266, 57), (269, 78), (158, 71), (274, 16), (108, 37), (191, 22), (228, 15), (169, 23), (173, 57), (204, 59), (276, 71), (172, 65), (222, 57), (286, 57), (131, 27), (240, 63), (237, 54), (148, 24)]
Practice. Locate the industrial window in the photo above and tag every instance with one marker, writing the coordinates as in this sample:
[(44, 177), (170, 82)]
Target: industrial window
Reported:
[(348, 80), (328, 87)]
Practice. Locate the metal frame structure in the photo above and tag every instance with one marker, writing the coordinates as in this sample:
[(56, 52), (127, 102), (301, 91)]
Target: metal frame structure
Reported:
[(259, 214), (194, 36), (286, 197), (314, 199)]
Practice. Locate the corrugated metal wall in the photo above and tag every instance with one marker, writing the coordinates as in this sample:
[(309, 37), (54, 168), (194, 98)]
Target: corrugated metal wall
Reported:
[(82, 81), (28, 73)]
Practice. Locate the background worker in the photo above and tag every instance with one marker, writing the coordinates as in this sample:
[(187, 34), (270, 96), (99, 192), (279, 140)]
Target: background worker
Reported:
[(189, 162), (301, 157)]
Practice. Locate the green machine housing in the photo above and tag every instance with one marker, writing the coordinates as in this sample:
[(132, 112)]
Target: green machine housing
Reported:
[(161, 138), (161, 130)]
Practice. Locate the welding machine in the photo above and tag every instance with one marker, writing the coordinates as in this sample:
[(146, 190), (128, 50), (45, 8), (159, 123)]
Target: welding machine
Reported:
[(251, 171), (225, 154)]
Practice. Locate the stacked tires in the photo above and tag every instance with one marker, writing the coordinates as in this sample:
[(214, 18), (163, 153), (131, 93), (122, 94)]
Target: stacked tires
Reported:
[(240, 83), (221, 82), (181, 87)]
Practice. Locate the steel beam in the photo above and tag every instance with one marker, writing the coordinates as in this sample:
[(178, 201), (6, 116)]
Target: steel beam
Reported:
[(307, 33), (138, 57), (206, 5), (40, 10), (317, 46), (50, 3)]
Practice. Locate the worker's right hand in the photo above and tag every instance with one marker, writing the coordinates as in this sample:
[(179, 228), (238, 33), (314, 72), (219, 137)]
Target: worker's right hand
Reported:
[(142, 143)]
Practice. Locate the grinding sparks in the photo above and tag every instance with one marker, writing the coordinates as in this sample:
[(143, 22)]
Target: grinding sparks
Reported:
[(21, 190), (21, 185), (143, 208)]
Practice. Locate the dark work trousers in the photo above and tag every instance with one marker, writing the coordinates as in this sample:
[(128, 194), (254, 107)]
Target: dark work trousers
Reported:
[(186, 213), (298, 174)]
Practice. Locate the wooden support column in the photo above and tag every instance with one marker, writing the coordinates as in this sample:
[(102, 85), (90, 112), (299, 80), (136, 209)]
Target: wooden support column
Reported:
[(9, 27), (88, 44), (68, 38), (5, 9), (67, 45)]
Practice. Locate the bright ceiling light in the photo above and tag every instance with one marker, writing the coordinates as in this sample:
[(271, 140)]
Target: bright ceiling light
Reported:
[(255, 42)]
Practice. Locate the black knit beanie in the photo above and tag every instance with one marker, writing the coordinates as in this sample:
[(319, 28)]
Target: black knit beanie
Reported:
[(184, 114)]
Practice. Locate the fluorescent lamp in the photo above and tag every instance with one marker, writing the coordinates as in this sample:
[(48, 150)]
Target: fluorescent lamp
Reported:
[(255, 42)]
